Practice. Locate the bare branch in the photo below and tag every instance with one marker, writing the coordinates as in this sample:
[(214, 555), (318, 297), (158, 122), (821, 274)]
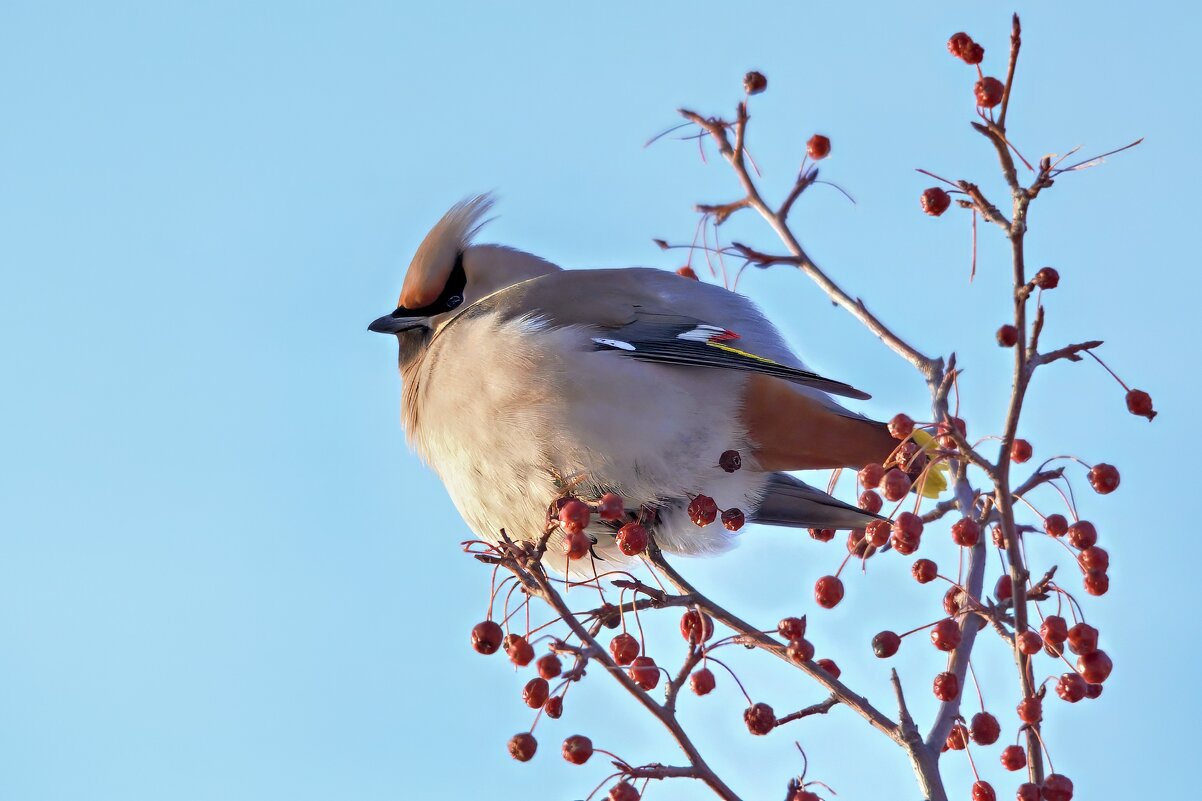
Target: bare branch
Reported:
[(820, 708)]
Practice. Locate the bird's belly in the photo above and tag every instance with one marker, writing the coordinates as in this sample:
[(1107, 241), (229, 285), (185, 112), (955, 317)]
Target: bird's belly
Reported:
[(534, 411)]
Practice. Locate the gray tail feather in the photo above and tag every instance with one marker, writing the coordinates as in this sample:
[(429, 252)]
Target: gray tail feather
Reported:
[(791, 502)]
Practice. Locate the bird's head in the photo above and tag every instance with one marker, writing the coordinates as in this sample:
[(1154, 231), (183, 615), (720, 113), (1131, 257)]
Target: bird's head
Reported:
[(448, 273)]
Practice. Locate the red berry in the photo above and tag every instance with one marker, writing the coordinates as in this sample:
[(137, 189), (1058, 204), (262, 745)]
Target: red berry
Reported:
[(953, 602), (520, 652), (934, 202), (896, 485), (885, 644), (1093, 691), (576, 544), (1057, 788), (989, 92), (687, 272), (1140, 403), (857, 543), (830, 667), (623, 791), (828, 592), (1054, 629), (1030, 643), (549, 666), (924, 571), (946, 428), (1007, 336), (577, 749), (754, 82), (966, 532), (1014, 758), (486, 637), (1030, 709), (1027, 792), (946, 686), (574, 516), (908, 526), (792, 628), (730, 461), (1104, 478), (611, 506), (696, 627), (983, 791), (870, 502), (702, 681), (1056, 525), (702, 510), (822, 534), (819, 147), (1020, 451), (1046, 278), (957, 738), (632, 539), (870, 476), (1094, 666), (733, 519), (974, 55), (624, 648), (554, 706), (998, 536), (1082, 534), (760, 718), (877, 533), (522, 746), (1096, 582), (959, 44), (945, 635), (901, 426), (985, 729), (800, 651), (1095, 558), (535, 693), (1004, 589), (1082, 638), (1071, 687), (644, 672)]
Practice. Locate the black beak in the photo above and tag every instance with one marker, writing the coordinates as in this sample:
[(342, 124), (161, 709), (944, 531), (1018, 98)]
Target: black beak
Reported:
[(400, 320)]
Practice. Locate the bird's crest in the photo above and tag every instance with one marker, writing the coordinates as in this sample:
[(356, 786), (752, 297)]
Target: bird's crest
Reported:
[(435, 257)]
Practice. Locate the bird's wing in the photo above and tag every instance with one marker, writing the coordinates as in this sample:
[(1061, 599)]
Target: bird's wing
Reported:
[(657, 316)]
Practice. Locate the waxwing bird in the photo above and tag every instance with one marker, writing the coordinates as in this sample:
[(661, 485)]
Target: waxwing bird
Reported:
[(520, 378)]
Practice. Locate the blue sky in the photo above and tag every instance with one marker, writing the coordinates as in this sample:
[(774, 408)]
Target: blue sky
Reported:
[(223, 576)]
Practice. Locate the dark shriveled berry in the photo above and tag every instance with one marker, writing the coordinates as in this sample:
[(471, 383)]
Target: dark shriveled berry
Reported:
[(924, 571), (1071, 687), (1095, 666), (733, 519), (730, 461), (974, 55), (959, 43), (623, 791), (877, 533), (1096, 582), (522, 746), (1030, 643), (754, 82), (1082, 534), (1082, 638), (934, 202), (945, 635), (896, 485), (1046, 278), (885, 644), (554, 707), (983, 791), (870, 476), (549, 666), (800, 651), (1056, 525), (870, 502), (1030, 709), (901, 426), (1020, 451), (486, 637), (696, 627), (1027, 792), (760, 718), (822, 534), (966, 532), (946, 686), (520, 652), (957, 738), (830, 667), (1095, 558), (1007, 336)]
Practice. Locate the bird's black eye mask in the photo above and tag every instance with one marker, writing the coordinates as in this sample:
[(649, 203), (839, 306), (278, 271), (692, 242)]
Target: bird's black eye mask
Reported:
[(451, 297)]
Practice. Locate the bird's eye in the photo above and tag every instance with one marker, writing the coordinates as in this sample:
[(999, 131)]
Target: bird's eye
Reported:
[(454, 301)]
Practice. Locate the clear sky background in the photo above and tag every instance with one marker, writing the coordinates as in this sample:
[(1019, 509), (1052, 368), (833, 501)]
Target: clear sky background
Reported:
[(223, 577)]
